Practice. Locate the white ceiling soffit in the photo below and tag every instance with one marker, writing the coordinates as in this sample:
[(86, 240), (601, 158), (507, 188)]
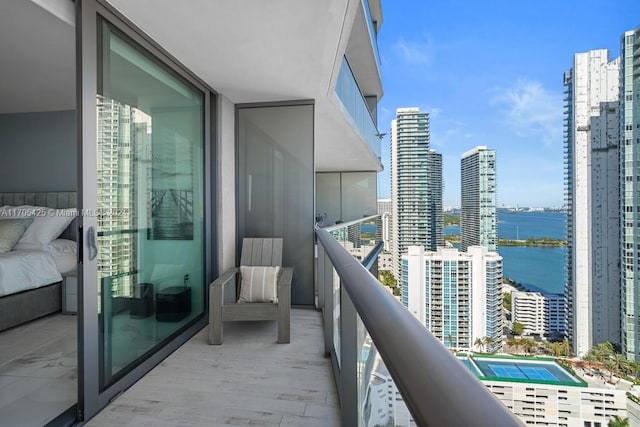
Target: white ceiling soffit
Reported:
[(37, 46), (263, 51)]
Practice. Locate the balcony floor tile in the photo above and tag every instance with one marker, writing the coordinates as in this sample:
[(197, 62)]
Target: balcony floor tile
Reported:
[(249, 380)]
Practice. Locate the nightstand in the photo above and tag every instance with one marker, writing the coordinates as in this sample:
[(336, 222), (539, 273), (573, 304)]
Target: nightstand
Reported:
[(70, 292)]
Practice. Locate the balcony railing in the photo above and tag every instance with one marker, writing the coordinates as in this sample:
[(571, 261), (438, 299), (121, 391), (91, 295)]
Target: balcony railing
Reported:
[(354, 102), (373, 33), (377, 345)]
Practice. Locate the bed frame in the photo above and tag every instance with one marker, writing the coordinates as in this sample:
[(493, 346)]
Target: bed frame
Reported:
[(22, 307)]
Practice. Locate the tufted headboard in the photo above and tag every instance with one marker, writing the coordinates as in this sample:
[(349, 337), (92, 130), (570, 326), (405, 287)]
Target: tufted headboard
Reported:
[(53, 199)]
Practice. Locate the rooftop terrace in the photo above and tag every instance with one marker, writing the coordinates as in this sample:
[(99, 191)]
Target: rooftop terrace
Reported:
[(537, 370)]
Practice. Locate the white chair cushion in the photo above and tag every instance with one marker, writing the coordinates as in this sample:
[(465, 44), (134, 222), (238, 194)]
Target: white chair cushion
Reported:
[(259, 284)]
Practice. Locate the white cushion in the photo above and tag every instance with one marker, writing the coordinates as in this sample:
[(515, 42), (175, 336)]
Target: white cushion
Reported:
[(259, 284), (48, 223), (11, 229)]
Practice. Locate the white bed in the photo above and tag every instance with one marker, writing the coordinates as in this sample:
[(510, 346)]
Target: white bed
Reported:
[(32, 267), (22, 270)]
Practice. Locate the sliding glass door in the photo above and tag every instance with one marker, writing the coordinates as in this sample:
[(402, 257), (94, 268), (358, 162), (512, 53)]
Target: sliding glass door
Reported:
[(143, 198), (150, 249)]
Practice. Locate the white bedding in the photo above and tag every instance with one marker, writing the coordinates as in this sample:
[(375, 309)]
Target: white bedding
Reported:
[(23, 270)]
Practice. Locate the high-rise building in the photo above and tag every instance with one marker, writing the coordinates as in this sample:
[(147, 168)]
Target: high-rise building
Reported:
[(416, 185), (478, 220), (592, 152), (456, 295), (630, 192)]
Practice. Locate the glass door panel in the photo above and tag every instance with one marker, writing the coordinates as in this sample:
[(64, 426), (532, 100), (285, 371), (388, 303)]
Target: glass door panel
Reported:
[(150, 206)]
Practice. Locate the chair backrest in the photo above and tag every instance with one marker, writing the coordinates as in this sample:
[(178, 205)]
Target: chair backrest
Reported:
[(261, 251)]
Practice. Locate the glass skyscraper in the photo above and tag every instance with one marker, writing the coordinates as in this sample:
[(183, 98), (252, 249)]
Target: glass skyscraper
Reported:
[(630, 192), (416, 186), (478, 220)]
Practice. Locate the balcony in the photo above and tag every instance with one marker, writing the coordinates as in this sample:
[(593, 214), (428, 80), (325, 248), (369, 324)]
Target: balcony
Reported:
[(248, 380), (252, 380)]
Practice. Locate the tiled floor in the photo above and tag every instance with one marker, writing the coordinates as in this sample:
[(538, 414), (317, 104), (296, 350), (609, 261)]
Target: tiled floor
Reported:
[(38, 371), (249, 380)]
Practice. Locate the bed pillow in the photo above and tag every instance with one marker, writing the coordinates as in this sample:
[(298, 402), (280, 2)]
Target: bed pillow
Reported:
[(48, 224), (11, 230), (259, 284)]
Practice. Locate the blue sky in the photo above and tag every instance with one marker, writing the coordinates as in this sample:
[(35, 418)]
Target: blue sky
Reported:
[(490, 73)]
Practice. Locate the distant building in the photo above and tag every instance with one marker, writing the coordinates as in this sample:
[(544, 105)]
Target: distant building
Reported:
[(541, 392), (630, 191), (592, 188), (539, 313), (386, 222), (416, 186), (478, 218), (384, 205), (456, 295), (538, 391)]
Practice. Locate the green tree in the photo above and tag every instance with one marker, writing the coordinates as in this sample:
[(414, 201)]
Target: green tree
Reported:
[(618, 421), (517, 328), (506, 301), (479, 343), (513, 342), (528, 344), (387, 279)]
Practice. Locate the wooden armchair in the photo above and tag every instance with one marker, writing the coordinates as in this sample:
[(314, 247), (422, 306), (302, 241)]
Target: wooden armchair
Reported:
[(255, 252)]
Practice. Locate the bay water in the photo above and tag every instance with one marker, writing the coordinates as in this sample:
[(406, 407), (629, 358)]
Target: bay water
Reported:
[(537, 268)]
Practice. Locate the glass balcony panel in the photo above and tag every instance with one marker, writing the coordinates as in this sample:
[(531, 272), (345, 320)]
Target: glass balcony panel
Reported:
[(373, 34), (353, 101)]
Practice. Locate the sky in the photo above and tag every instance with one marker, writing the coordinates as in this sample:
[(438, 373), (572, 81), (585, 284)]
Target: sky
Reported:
[(491, 73)]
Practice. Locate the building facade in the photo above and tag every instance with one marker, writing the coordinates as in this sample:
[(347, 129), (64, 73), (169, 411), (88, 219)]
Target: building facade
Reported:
[(414, 193), (630, 192), (175, 151), (592, 151), (540, 313), (478, 217), (456, 295)]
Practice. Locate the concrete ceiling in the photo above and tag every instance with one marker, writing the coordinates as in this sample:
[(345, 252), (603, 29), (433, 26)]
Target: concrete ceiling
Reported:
[(246, 50)]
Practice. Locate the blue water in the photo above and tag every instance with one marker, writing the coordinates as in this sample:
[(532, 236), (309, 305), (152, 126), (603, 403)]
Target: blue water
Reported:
[(539, 269)]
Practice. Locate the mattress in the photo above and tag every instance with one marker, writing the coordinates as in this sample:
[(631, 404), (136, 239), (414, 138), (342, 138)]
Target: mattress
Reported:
[(24, 270)]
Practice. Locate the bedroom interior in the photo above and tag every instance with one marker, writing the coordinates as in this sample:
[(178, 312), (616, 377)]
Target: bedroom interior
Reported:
[(38, 170)]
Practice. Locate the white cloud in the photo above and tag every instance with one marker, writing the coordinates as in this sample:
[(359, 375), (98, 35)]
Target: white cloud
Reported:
[(530, 110), (414, 52)]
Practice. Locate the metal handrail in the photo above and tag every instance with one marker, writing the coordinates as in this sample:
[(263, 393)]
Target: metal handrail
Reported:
[(350, 223), (436, 387)]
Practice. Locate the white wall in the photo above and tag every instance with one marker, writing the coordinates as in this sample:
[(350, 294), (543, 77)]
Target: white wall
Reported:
[(226, 176)]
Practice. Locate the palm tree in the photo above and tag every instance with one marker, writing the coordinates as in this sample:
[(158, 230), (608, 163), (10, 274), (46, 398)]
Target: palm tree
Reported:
[(618, 421), (479, 343), (488, 342), (528, 344), (513, 342)]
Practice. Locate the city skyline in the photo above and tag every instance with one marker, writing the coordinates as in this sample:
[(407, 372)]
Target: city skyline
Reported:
[(492, 75)]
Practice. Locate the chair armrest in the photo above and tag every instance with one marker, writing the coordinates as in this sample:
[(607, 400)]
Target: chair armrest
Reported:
[(286, 276), (224, 278)]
